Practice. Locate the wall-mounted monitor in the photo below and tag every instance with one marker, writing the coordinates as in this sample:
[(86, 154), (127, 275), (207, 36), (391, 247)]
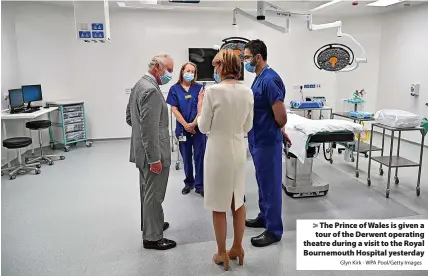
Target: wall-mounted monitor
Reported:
[(203, 58)]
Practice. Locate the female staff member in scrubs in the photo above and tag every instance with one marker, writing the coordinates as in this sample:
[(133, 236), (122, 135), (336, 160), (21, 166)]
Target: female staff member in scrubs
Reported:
[(183, 98)]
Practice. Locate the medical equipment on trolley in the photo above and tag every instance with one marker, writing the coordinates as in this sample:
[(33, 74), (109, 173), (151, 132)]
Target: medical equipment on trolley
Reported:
[(331, 57), (356, 103), (306, 104), (397, 118), (307, 136)]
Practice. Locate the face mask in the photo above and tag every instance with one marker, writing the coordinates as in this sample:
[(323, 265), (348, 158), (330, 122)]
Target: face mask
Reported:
[(217, 77), (188, 77), (250, 68), (167, 76)]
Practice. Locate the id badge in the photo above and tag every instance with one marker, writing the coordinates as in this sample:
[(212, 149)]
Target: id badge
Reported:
[(182, 138)]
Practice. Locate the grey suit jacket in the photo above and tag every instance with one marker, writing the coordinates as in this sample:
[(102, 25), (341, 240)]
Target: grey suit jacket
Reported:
[(147, 114)]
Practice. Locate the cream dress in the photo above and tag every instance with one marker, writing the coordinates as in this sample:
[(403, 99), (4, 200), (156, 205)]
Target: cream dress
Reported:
[(226, 116)]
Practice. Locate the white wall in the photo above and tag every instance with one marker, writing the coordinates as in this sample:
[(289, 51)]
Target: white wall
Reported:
[(50, 54), (9, 61), (403, 61)]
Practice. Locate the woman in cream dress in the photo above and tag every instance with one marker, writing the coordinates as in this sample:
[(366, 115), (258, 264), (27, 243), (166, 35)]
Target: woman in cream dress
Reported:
[(226, 113)]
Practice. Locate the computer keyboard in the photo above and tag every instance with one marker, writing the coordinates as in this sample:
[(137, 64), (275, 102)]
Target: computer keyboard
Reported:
[(30, 110)]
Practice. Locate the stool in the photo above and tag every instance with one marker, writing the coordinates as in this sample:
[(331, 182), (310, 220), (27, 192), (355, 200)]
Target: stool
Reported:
[(19, 143), (39, 125)]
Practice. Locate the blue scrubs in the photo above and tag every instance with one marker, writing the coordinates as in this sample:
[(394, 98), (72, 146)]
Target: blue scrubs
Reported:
[(265, 142), (187, 103)]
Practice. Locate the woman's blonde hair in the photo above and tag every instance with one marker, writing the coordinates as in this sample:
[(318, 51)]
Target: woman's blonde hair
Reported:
[(181, 79), (228, 63)]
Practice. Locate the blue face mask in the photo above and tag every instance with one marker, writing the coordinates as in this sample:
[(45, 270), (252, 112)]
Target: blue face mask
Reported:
[(250, 68), (167, 76), (217, 77), (188, 76)]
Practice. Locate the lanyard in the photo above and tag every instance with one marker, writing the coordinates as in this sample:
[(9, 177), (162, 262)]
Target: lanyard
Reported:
[(257, 80)]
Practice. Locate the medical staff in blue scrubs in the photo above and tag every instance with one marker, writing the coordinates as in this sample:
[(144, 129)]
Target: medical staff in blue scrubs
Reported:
[(266, 142), (183, 98)]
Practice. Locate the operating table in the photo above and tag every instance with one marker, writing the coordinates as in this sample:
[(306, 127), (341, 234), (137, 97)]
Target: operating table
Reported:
[(298, 178)]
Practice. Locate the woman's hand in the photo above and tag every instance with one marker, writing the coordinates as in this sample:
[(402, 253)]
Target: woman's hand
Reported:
[(190, 128), (200, 101)]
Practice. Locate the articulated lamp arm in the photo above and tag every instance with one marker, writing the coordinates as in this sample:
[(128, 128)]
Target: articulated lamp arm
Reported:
[(338, 25)]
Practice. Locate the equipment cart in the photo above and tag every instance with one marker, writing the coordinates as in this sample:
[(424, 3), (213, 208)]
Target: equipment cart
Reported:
[(70, 119), (395, 161), (360, 147)]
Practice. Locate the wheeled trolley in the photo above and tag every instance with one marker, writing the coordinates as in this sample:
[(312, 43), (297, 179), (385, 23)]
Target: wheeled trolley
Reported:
[(395, 161), (70, 119), (358, 147)]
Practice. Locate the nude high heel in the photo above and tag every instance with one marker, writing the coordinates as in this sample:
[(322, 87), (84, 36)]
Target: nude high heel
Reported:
[(222, 259), (237, 254)]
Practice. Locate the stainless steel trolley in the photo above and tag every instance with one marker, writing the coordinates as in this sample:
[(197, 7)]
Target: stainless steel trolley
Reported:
[(362, 148), (395, 161)]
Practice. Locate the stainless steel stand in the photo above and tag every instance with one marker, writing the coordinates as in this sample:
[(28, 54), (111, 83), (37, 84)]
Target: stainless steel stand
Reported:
[(395, 161), (362, 148)]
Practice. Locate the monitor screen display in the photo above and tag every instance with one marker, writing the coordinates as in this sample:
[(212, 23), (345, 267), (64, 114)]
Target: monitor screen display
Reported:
[(32, 93), (16, 99), (203, 58)]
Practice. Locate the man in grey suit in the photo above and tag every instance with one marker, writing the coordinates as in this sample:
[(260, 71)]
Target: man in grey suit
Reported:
[(147, 114)]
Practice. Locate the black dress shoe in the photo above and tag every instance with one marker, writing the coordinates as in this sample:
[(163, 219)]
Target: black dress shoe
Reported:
[(264, 239), (255, 223), (165, 226), (186, 190), (162, 244), (200, 192)]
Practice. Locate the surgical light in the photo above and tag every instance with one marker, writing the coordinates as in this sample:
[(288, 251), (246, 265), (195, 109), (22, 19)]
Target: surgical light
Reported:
[(384, 3)]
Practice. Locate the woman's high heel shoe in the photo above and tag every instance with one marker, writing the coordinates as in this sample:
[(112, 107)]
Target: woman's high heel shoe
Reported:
[(222, 259), (237, 254)]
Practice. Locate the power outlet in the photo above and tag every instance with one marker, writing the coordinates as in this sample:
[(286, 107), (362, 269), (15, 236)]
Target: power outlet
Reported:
[(128, 90)]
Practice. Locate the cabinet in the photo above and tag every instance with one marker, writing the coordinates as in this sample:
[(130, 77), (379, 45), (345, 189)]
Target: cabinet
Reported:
[(68, 124)]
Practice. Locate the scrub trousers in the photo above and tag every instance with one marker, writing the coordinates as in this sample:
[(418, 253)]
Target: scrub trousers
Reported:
[(194, 148), (268, 164)]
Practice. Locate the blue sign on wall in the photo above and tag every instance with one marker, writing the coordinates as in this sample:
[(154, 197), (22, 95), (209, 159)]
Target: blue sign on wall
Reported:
[(97, 26), (84, 34), (98, 34)]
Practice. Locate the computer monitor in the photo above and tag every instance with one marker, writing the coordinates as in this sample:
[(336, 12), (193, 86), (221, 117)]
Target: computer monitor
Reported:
[(32, 93), (16, 99)]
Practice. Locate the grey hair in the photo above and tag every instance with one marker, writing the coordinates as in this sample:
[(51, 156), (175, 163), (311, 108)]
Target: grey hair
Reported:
[(161, 58)]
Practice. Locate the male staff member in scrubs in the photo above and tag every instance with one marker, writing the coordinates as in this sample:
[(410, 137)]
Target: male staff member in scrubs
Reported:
[(265, 142), (147, 114), (183, 98)]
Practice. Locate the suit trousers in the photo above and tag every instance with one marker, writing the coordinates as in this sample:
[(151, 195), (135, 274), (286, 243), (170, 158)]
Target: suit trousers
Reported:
[(152, 194)]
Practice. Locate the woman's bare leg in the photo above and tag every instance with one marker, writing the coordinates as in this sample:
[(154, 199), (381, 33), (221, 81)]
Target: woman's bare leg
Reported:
[(220, 229), (238, 225)]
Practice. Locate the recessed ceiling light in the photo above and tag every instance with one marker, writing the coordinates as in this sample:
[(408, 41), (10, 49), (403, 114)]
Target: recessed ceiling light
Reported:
[(121, 4), (384, 3), (326, 5), (150, 2)]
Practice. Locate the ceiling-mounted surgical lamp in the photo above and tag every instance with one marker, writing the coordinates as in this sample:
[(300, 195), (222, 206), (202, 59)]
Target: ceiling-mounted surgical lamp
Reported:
[(338, 54), (237, 11)]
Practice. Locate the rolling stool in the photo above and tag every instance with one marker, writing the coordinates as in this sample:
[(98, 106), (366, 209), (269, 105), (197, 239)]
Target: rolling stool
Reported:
[(19, 143), (39, 125)]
